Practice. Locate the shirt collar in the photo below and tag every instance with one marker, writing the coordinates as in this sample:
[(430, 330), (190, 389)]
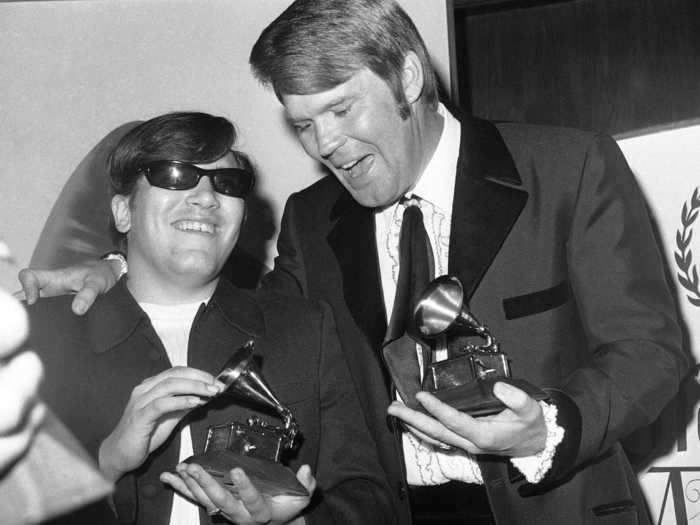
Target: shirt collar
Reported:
[(117, 315), (436, 183)]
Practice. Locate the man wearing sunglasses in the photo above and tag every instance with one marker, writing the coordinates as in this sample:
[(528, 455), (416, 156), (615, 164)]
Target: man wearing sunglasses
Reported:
[(134, 378)]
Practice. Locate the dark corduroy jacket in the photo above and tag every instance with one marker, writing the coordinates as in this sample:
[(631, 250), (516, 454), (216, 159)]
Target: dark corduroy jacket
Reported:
[(94, 362)]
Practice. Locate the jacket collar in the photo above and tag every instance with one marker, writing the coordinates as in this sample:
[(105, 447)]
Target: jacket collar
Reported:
[(239, 308), (116, 316), (487, 202)]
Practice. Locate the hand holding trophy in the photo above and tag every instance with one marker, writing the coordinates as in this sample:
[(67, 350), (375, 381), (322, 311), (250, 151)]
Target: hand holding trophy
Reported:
[(465, 379), (254, 446)]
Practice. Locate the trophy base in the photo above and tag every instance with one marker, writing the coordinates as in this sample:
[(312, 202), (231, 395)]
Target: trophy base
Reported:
[(476, 398), (269, 477)]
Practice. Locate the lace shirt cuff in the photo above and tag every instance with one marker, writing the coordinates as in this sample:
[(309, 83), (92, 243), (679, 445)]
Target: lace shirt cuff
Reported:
[(535, 467)]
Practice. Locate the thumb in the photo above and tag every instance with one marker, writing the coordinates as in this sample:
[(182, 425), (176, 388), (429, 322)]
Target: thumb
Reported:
[(512, 397), (306, 478)]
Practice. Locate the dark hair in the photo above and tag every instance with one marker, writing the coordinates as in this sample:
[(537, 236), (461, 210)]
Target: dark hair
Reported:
[(315, 45), (198, 138)]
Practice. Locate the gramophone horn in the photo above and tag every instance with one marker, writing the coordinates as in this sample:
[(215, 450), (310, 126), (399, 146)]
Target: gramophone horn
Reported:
[(242, 378), (441, 307)]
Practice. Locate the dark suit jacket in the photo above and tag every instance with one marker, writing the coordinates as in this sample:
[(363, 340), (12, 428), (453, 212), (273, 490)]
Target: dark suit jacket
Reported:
[(94, 362), (552, 241)]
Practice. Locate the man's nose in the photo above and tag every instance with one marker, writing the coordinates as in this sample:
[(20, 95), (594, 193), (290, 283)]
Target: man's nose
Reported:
[(204, 194), (328, 138)]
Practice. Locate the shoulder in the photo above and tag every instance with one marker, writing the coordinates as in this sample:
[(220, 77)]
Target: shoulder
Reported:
[(296, 330), (241, 306), (54, 311), (559, 156), (285, 308), (322, 194), (535, 140), (54, 328)]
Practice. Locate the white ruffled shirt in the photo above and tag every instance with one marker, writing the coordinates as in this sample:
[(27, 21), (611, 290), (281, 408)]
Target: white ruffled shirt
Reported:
[(426, 465)]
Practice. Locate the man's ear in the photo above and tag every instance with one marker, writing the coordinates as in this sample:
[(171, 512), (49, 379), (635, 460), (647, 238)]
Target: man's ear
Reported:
[(121, 212), (412, 77)]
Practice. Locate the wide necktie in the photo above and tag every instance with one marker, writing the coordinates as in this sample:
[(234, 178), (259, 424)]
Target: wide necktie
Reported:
[(416, 268)]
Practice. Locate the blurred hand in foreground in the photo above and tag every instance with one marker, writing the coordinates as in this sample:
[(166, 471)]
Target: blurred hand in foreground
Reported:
[(21, 412)]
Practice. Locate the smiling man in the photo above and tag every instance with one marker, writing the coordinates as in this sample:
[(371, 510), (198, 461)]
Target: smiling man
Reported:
[(132, 377)]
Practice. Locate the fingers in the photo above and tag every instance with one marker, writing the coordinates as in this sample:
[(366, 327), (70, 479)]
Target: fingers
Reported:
[(89, 280), (251, 498), (30, 285), (246, 504), (427, 439), (179, 388), (178, 485), (173, 399), (48, 283), (514, 398), (518, 429), (19, 383), (175, 408), (192, 475), (182, 372), (15, 445), (442, 411), (434, 427), (87, 295), (97, 280), (209, 493), (14, 326)]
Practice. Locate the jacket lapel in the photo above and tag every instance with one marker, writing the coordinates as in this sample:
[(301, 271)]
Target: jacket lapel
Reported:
[(231, 318), (352, 241), (485, 205)]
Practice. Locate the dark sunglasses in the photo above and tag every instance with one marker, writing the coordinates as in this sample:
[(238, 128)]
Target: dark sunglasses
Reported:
[(175, 175)]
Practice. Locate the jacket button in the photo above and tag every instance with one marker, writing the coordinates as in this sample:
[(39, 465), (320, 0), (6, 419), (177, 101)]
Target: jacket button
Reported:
[(402, 491), (154, 354), (149, 490), (392, 424)]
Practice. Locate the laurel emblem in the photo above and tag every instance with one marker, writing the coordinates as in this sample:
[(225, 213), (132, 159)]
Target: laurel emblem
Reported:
[(688, 272)]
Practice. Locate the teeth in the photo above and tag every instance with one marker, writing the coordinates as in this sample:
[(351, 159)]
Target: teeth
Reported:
[(350, 165), (197, 226)]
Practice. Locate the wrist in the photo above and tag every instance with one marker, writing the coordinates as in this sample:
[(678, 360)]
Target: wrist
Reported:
[(535, 467), (106, 463), (117, 262)]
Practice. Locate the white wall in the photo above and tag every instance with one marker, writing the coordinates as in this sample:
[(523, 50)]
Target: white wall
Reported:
[(72, 71)]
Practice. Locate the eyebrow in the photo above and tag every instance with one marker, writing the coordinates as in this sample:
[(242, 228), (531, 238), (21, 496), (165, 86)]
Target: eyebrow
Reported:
[(342, 99)]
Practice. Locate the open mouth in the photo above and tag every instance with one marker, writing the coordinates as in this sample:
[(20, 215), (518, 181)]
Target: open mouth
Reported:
[(195, 227), (359, 167)]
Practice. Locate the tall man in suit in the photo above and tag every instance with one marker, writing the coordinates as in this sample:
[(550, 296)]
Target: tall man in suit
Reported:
[(548, 232)]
